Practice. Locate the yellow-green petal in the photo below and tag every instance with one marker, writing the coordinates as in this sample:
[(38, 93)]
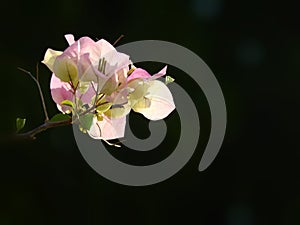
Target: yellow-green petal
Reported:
[(65, 69), (139, 88), (118, 112), (50, 57), (141, 104), (103, 107)]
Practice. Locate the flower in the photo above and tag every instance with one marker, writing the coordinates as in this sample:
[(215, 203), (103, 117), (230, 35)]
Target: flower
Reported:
[(90, 80), (85, 61), (81, 73), (149, 96)]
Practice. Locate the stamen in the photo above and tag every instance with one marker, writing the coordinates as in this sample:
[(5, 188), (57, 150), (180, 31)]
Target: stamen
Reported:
[(100, 64), (104, 66)]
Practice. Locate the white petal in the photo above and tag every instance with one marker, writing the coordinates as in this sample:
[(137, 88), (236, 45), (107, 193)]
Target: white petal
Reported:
[(161, 101)]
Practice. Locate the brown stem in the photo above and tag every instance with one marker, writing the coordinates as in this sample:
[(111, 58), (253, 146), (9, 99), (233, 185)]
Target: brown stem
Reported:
[(30, 135), (122, 35), (92, 108)]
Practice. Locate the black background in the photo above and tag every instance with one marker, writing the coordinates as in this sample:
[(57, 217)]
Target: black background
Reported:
[(253, 49)]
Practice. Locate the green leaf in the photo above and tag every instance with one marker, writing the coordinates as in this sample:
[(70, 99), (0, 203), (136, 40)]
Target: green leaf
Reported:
[(169, 80), (103, 107), (60, 117), (20, 123), (67, 103), (86, 121)]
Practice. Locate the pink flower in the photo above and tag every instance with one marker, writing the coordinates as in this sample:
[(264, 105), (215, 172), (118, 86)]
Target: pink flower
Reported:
[(91, 77), (84, 68), (86, 60)]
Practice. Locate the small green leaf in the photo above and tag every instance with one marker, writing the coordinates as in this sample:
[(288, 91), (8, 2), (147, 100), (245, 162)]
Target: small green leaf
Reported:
[(86, 121), (20, 123), (169, 80), (67, 103), (60, 117), (103, 107)]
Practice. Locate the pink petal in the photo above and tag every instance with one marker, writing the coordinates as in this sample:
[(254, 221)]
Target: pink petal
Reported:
[(105, 47), (138, 73), (83, 46), (109, 128), (70, 39), (87, 45), (160, 73), (141, 73), (60, 91), (115, 60), (87, 97), (86, 53), (87, 72)]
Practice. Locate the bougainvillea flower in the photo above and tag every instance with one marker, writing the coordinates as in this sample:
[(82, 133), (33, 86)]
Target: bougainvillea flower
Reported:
[(90, 79), (112, 123), (86, 60), (149, 96)]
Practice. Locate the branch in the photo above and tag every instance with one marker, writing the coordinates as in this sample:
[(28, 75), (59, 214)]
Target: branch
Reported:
[(116, 41), (40, 91), (93, 107), (30, 135)]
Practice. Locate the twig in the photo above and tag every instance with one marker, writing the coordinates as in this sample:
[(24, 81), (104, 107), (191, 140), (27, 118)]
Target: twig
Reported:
[(37, 72), (40, 91), (93, 107), (122, 35), (30, 135)]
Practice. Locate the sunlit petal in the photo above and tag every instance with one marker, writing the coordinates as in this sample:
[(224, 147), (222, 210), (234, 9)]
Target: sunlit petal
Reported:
[(50, 57), (60, 91), (161, 101), (108, 129)]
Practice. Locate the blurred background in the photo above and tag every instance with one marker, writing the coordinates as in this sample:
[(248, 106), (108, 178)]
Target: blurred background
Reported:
[(253, 48)]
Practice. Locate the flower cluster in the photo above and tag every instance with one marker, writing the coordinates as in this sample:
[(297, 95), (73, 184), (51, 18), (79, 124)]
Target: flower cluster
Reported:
[(100, 86)]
